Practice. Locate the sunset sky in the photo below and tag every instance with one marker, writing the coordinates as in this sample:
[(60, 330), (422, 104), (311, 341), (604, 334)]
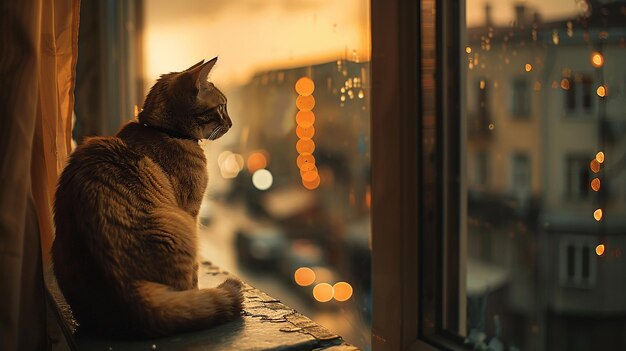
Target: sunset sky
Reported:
[(253, 35)]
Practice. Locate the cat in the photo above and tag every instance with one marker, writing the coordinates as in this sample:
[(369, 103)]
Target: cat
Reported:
[(125, 213)]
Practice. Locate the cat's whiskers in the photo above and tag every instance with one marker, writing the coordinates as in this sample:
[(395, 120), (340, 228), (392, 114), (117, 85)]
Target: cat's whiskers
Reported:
[(215, 132)]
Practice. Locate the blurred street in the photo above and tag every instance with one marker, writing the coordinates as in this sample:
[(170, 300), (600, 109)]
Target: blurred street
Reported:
[(217, 245)]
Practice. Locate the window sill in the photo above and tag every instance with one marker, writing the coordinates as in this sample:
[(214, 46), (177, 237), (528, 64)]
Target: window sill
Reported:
[(266, 324)]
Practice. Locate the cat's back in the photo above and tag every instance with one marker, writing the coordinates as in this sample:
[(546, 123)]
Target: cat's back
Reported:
[(106, 181)]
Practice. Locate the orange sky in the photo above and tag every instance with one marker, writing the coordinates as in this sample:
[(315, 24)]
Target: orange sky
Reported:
[(252, 35)]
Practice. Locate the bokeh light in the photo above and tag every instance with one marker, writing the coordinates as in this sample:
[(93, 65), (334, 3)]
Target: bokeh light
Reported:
[(468, 49), (600, 157), (305, 119), (256, 161), (597, 60), (601, 91), (595, 184), (528, 67), (305, 158), (323, 292), (262, 179), (307, 167), (312, 185), (305, 86), (600, 249), (305, 103), (594, 166), (222, 157), (304, 276), (597, 214), (305, 146), (302, 132), (565, 84), (342, 291), (231, 164), (309, 176)]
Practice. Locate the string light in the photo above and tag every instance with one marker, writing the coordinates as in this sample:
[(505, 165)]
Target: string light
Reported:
[(600, 157), (600, 249), (597, 214), (597, 59), (595, 184), (305, 118)]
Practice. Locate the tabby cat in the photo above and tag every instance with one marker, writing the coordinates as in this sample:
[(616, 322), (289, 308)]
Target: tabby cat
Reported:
[(125, 213)]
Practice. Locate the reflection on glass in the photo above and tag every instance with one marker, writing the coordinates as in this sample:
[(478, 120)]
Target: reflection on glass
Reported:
[(288, 201), (546, 214)]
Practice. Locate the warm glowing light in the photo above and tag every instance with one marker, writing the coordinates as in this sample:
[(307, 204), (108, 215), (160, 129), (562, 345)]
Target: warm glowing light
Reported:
[(136, 111), (323, 292), (305, 86), (303, 159), (368, 197), (305, 146), (222, 157), (565, 84), (256, 161), (305, 119), (600, 249), (491, 126), (231, 165), (600, 157), (342, 291), (528, 67), (595, 184), (309, 176), (307, 167), (597, 214), (601, 91), (304, 276), (468, 49), (305, 132), (361, 94), (594, 166), (262, 179), (597, 60), (305, 103), (312, 185), (482, 85)]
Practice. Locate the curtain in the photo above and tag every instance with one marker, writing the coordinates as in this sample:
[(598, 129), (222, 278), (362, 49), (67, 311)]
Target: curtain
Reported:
[(38, 52)]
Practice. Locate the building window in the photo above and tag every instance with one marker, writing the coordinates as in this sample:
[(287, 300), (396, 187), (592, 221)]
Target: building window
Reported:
[(578, 177), (520, 174), (578, 93), (577, 262), (520, 98)]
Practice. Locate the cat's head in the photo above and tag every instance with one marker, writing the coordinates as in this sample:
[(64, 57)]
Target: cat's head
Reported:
[(187, 104)]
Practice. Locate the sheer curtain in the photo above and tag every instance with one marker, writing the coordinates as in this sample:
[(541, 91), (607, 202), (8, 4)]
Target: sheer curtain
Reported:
[(38, 51)]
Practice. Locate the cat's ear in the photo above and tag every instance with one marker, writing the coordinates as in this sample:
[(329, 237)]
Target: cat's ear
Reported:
[(194, 66), (200, 74)]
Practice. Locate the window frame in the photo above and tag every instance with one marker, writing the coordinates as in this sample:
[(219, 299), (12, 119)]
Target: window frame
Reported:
[(418, 285)]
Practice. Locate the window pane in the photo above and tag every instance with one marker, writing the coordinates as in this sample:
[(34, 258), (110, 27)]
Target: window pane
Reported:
[(545, 174), (288, 202)]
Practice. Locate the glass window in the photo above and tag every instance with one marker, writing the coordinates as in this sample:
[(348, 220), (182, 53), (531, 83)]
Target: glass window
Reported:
[(544, 235), (288, 203)]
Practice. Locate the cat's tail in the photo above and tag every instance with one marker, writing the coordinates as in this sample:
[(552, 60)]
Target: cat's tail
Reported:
[(166, 310)]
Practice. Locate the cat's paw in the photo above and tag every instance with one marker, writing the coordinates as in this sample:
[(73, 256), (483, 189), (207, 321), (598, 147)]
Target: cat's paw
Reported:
[(232, 289)]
